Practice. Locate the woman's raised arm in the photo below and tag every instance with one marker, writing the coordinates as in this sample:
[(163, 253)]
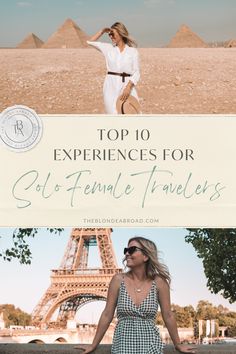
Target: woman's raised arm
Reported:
[(97, 35)]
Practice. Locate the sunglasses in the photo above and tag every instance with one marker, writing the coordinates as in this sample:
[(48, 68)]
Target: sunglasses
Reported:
[(132, 249)]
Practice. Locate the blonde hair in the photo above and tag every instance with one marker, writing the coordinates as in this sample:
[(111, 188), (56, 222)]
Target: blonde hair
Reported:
[(154, 266), (123, 32)]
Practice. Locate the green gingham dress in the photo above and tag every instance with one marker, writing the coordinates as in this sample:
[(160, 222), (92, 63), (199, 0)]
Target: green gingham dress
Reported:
[(136, 332)]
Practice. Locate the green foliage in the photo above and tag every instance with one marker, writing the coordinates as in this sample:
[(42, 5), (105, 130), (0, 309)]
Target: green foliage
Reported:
[(205, 311), (228, 320), (159, 319), (14, 316), (195, 330), (217, 249), (20, 248), (232, 331), (187, 316), (184, 315)]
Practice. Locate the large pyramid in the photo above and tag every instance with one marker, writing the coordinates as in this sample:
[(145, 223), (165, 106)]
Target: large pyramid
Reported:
[(185, 38), (231, 43), (69, 35), (30, 42)]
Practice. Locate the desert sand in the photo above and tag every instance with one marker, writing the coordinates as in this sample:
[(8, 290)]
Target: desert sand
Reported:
[(173, 80)]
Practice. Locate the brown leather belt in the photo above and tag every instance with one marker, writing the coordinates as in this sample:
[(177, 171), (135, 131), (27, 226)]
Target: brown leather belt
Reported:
[(123, 75)]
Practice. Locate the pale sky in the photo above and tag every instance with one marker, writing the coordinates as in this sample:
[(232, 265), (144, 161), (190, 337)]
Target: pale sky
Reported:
[(24, 285), (150, 22)]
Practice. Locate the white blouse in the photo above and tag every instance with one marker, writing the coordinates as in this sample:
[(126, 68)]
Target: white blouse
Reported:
[(127, 62)]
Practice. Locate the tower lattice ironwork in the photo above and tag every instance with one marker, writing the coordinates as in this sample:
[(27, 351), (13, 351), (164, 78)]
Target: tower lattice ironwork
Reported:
[(74, 284)]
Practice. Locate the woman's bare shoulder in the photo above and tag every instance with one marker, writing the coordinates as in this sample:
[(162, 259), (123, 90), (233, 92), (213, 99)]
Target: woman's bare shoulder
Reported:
[(160, 282), (117, 279)]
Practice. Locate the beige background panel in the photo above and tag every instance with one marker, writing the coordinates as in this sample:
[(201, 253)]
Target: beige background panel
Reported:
[(37, 190)]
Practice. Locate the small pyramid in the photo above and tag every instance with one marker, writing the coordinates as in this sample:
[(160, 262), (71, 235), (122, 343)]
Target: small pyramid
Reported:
[(69, 35), (231, 43), (30, 42), (186, 38)]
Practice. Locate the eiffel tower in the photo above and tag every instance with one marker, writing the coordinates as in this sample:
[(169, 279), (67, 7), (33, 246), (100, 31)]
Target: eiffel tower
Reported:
[(74, 284)]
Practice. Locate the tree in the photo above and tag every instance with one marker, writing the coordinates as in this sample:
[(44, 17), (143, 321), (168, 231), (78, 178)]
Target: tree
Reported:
[(20, 248), (229, 320), (217, 248), (232, 331), (184, 315), (159, 319), (14, 316), (206, 311), (187, 316)]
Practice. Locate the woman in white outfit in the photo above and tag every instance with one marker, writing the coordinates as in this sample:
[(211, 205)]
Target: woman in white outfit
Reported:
[(122, 64)]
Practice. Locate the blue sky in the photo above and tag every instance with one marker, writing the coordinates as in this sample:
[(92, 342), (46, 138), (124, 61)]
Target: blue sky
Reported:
[(25, 285), (151, 22)]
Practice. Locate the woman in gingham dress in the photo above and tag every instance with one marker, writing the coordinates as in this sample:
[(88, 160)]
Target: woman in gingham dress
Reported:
[(137, 295)]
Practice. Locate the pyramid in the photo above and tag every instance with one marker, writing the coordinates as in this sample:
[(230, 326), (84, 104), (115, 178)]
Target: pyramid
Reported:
[(69, 35), (30, 42), (185, 38), (231, 43)]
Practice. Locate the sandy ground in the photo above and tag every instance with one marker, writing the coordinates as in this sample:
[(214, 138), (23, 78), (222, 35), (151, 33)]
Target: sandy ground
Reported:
[(173, 81)]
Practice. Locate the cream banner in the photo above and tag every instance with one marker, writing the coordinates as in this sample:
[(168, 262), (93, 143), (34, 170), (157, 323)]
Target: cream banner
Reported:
[(122, 171)]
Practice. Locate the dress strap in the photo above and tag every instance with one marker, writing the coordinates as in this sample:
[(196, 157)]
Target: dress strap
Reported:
[(122, 284), (156, 289), (123, 279)]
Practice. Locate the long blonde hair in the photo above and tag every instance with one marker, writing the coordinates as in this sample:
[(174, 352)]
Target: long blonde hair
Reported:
[(123, 32), (154, 266)]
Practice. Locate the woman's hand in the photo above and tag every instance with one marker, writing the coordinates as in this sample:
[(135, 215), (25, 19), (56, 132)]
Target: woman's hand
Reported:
[(86, 348), (97, 35), (106, 30), (126, 92), (182, 348)]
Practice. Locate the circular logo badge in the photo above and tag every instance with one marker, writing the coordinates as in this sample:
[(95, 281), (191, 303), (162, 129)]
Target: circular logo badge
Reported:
[(20, 128)]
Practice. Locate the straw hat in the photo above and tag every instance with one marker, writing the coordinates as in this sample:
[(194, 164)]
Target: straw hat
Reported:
[(130, 106)]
